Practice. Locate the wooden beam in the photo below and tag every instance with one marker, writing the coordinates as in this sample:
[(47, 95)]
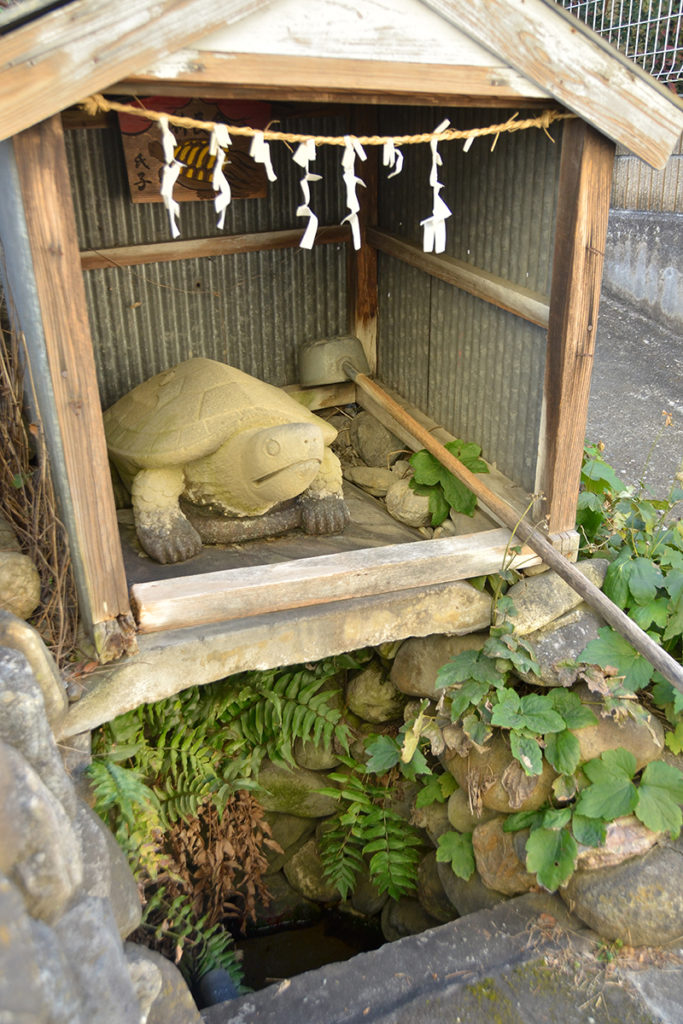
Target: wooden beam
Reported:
[(586, 74), (84, 46), (195, 248), (522, 302), (93, 531), (256, 76), (361, 277), (580, 233), (259, 590), (171, 661)]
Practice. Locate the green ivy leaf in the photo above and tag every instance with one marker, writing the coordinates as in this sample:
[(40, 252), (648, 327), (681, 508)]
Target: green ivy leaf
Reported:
[(528, 752), (659, 796), (538, 714), (562, 751), (468, 695), (588, 831), (507, 713), (476, 730), (556, 817), (385, 752), (551, 856), (611, 793), (644, 579), (522, 819), (674, 740), (597, 475), (675, 623), (432, 792), (467, 665), (612, 649), (569, 705), (455, 848), (653, 613), (615, 585)]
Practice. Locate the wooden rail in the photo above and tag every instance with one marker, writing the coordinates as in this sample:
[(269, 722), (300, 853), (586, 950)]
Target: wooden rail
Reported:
[(522, 302), (195, 248)]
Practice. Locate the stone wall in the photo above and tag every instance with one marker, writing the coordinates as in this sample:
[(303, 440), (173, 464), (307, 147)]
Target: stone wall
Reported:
[(68, 899)]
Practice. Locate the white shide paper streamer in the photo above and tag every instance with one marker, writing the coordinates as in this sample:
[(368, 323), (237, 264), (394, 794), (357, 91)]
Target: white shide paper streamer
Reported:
[(352, 149), (303, 156), (169, 175), (434, 239), (260, 153), (392, 157), (220, 140)]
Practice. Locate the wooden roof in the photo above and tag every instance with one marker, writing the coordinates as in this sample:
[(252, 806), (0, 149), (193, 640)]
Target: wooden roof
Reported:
[(522, 48)]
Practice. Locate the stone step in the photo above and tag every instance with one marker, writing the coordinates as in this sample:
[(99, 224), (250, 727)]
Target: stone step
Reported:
[(527, 961)]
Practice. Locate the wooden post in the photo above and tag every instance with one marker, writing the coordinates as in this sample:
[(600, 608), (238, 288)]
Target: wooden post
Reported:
[(361, 278), (580, 232), (74, 430)]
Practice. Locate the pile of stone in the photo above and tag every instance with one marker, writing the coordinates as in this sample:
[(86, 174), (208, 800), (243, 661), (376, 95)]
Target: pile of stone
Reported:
[(68, 899), (630, 889), (377, 461)]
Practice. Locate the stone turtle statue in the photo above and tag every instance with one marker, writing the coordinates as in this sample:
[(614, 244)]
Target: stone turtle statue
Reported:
[(215, 439)]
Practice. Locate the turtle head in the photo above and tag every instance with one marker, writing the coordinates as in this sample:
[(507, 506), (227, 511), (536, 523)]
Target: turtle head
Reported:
[(259, 467)]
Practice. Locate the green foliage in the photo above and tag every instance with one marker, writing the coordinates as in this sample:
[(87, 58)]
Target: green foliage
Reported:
[(163, 764), (455, 848), (366, 832), (445, 491), (480, 692), (612, 791), (644, 544)]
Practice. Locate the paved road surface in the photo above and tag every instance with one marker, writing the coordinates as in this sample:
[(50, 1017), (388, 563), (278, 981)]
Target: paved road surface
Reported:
[(638, 372)]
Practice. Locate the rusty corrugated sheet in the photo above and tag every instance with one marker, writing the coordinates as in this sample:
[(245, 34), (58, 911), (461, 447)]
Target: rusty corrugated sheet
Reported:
[(252, 309), (471, 366)]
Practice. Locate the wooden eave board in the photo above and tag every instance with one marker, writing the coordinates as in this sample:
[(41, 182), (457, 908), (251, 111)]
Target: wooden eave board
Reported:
[(587, 75), (373, 48), (81, 48)]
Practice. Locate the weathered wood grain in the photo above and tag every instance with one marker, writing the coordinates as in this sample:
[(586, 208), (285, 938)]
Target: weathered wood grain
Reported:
[(580, 233), (84, 46), (195, 248), (327, 79), (41, 162), (258, 590), (522, 302), (567, 59)]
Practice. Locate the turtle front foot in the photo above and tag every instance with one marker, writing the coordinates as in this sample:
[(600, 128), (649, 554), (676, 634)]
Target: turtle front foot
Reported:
[(324, 515), (174, 540)]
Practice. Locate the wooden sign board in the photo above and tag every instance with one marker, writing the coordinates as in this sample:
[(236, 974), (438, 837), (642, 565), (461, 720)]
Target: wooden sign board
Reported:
[(144, 155)]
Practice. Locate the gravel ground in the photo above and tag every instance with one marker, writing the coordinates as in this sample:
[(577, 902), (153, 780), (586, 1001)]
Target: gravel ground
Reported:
[(638, 374)]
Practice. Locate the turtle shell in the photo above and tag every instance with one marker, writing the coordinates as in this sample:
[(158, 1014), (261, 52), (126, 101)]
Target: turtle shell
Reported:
[(187, 412)]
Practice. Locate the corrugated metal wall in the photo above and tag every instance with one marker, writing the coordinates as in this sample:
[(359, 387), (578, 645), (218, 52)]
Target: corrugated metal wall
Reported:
[(636, 186), (474, 368), (252, 310)]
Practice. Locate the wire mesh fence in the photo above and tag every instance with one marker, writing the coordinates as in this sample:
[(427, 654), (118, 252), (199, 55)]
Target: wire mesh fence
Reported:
[(650, 32)]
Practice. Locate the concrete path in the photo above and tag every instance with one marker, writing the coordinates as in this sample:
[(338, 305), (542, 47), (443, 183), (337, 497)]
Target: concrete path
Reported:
[(525, 962), (638, 373)]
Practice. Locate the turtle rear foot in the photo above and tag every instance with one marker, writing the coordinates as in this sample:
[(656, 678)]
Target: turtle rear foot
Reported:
[(324, 515)]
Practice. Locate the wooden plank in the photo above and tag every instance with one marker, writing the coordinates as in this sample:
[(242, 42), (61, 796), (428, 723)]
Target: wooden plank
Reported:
[(84, 46), (580, 233), (361, 279), (258, 590), (501, 485), (522, 302), (171, 661), (586, 74), (41, 162), (326, 79), (196, 248)]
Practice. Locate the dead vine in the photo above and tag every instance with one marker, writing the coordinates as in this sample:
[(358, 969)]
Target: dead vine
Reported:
[(27, 498)]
